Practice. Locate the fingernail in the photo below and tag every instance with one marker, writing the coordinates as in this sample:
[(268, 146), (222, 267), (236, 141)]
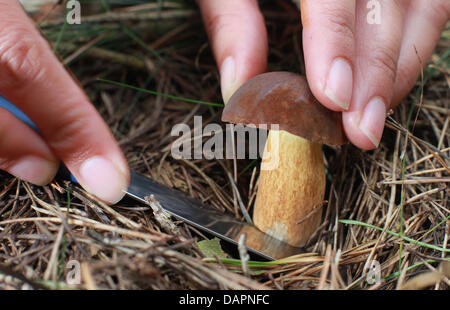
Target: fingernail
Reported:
[(34, 170), (339, 86), (228, 78), (373, 119), (101, 177)]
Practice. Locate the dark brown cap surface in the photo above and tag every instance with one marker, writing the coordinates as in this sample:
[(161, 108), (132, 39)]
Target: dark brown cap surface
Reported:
[(284, 98)]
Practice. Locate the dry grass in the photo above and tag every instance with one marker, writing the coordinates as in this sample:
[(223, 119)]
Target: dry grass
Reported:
[(392, 198)]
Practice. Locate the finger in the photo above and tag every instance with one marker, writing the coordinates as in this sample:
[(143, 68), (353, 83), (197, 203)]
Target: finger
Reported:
[(424, 23), (238, 38), (32, 161), (377, 50), (32, 78), (329, 48)]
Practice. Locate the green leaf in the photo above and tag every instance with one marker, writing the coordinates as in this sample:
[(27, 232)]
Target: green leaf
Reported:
[(211, 248)]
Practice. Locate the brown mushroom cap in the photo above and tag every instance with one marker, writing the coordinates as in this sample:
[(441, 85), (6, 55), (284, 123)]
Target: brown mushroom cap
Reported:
[(284, 98)]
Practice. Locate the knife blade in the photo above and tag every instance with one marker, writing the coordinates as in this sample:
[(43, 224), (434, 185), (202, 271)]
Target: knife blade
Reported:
[(192, 211)]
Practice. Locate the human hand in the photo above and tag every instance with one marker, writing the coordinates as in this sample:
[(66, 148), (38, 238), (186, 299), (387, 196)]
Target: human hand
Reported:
[(71, 129), (353, 66)]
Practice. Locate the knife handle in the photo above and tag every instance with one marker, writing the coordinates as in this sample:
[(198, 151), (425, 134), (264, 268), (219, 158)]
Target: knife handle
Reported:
[(63, 172)]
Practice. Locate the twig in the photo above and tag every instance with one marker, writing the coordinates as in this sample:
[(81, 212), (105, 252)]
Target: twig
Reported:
[(161, 216)]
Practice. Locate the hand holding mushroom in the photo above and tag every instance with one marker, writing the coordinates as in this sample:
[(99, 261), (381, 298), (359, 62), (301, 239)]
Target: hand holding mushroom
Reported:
[(360, 59)]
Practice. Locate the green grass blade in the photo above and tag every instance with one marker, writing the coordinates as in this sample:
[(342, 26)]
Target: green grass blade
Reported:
[(60, 36), (398, 273), (410, 240), (250, 165), (162, 94), (265, 264)]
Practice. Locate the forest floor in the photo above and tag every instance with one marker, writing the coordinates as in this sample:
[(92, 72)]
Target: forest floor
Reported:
[(386, 219)]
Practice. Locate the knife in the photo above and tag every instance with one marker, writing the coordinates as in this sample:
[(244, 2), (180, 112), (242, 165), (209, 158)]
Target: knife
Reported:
[(191, 211)]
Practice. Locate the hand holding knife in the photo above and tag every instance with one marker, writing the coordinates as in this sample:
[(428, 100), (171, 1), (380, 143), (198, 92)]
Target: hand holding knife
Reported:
[(192, 211)]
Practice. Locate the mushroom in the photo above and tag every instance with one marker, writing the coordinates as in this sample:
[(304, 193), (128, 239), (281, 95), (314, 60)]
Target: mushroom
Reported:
[(290, 196)]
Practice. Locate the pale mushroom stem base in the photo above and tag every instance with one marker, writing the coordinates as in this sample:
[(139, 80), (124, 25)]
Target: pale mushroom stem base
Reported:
[(288, 203)]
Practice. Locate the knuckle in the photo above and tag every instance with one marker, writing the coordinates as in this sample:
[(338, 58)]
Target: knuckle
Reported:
[(385, 59), (20, 57), (340, 24), (219, 22)]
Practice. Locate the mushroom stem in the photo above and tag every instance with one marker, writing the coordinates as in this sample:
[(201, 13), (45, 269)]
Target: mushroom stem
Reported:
[(288, 203)]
